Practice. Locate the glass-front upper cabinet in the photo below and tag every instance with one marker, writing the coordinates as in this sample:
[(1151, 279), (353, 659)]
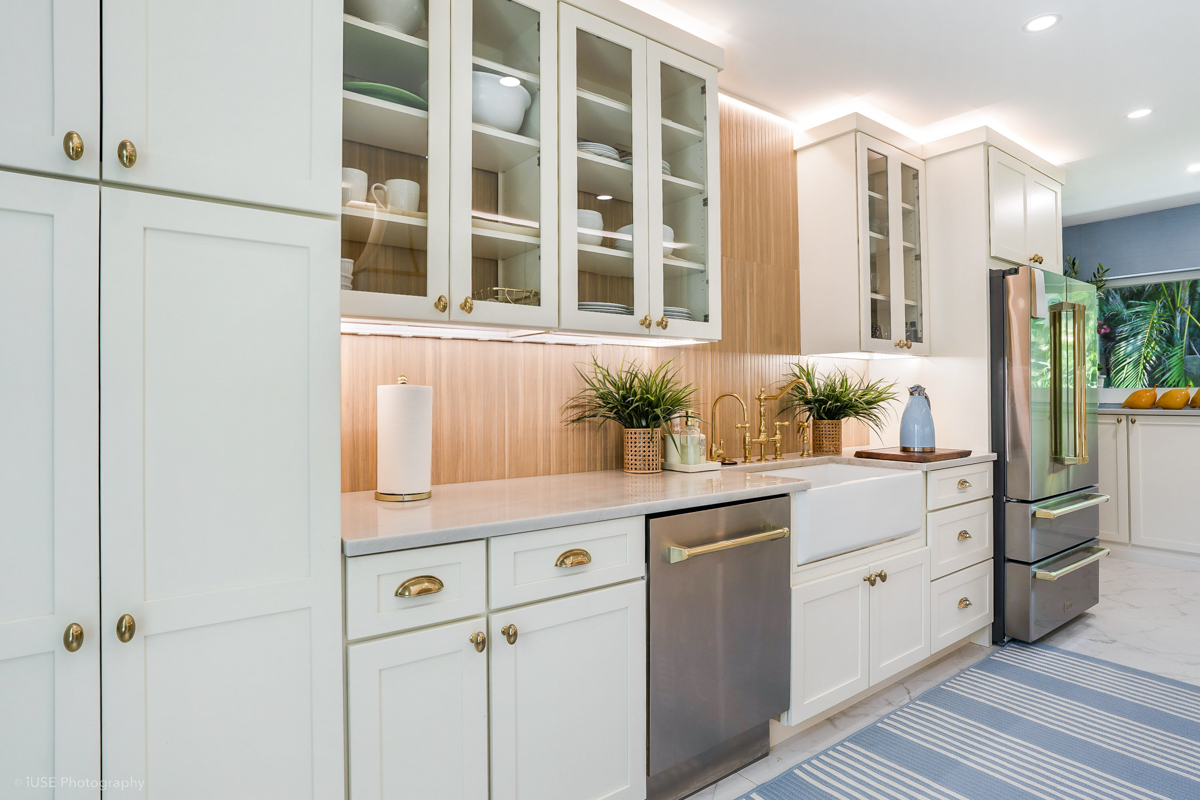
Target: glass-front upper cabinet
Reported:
[(684, 226), (894, 278), (396, 160), (504, 164), (603, 183)]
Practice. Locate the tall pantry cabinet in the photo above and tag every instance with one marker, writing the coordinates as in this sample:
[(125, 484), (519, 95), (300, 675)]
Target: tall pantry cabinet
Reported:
[(169, 502)]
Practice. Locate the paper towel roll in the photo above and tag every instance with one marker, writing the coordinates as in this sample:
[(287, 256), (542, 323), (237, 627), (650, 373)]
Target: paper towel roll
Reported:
[(404, 452)]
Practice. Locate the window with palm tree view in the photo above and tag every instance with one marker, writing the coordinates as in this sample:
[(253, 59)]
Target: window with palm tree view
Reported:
[(1149, 334)]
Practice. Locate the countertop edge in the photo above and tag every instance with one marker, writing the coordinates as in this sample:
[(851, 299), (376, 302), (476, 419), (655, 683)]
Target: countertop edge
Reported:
[(352, 548), (1152, 412), (793, 460)]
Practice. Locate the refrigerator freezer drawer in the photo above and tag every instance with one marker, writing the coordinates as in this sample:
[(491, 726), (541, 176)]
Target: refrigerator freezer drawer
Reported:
[(1068, 585), (1034, 531)]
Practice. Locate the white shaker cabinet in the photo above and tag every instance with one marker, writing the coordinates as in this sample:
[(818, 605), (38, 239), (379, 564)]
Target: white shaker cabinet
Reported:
[(220, 499), (568, 697), (50, 60), (1026, 213), (418, 714), (49, 483), (1163, 503), (899, 614), (225, 99), (1113, 458)]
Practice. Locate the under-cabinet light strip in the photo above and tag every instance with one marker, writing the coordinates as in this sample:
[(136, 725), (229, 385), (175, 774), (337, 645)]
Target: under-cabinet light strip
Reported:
[(410, 330)]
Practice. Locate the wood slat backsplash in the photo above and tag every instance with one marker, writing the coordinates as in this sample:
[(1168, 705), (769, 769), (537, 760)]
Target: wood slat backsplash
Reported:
[(497, 409)]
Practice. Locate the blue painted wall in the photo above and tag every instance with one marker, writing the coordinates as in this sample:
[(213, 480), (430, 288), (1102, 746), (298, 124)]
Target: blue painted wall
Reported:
[(1153, 242)]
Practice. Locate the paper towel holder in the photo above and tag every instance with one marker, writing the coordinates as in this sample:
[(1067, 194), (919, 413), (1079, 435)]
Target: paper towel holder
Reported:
[(402, 498)]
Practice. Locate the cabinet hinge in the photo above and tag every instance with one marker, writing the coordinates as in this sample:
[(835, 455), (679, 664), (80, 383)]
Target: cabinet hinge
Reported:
[(539, 161), (706, 202), (704, 89)]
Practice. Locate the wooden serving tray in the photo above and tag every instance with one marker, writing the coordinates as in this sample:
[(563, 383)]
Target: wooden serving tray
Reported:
[(896, 454)]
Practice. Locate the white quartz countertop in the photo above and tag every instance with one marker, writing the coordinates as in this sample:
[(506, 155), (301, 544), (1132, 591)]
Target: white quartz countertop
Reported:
[(793, 460), (1150, 412), (461, 511)]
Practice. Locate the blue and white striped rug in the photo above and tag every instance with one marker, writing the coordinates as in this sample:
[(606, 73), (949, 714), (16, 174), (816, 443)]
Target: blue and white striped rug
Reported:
[(1028, 721)]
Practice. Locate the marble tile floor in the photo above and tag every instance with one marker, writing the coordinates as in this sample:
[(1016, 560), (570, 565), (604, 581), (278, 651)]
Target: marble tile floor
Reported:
[(1148, 618)]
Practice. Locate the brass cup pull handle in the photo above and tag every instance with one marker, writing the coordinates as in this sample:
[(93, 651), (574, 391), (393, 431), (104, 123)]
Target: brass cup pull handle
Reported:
[(662, 323), (963, 483), (441, 304), (964, 535), (73, 637), (964, 602), (419, 586), (882, 576), (126, 153), (479, 639), (874, 576), (645, 322), (467, 305), (574, 558), (73, 147), (126, 628), (510, 633)]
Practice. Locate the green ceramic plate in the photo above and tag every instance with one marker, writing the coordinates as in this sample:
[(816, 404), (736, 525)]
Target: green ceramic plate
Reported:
[(391, 94)]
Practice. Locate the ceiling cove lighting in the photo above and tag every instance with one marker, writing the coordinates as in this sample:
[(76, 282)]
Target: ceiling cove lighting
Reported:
[(1041, 23), (1193, 168), (1141, 112)]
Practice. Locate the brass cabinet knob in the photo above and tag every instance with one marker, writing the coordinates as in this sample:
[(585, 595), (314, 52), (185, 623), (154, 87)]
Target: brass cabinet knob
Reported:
[(574, 558), (883, 576), (73, 637), (908, 344), (1133, 420), (900, 344), (662, 323), (441, 304), (1036, 259), (479, 640), (963, 483), (467, 305), (420, 585), (646, 322), (126, 627), (871, 578), (964, 602), (1120, 420), (126, 153), (510, 633), (73, 147)]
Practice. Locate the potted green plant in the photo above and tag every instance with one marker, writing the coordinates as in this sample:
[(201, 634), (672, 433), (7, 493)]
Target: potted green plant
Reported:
[(639, 399), (834, 397)]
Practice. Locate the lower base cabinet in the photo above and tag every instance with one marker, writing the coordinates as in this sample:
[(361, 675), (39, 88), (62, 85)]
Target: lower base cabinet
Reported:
[(960, 604), (899, 614)]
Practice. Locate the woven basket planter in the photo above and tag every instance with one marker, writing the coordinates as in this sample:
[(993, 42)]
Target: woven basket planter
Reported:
[(827, 437), (643, 450)]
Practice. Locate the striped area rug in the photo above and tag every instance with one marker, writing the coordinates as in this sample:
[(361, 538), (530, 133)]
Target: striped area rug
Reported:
[(1028, 721)]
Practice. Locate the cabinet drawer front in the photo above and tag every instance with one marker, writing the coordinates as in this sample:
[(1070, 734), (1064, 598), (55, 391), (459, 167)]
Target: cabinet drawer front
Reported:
[(952, 487), (960, 604), (523, 567), (960, 536), (372, 607)]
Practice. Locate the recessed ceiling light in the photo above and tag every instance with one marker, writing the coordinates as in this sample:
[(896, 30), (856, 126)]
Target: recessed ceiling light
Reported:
[(1141, 112), (604, 197), (1194, 168), (1041, 23), (509, 80)]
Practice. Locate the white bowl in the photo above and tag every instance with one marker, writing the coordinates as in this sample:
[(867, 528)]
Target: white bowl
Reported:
[(627, 245), (532, 127), (499, 106), (592, 220), (405, 16), (668, 236)]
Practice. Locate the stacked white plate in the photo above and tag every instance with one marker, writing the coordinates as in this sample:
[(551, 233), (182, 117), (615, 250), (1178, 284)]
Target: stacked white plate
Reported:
[(605, 308), (597, 149), (666, 168), (675, 312)]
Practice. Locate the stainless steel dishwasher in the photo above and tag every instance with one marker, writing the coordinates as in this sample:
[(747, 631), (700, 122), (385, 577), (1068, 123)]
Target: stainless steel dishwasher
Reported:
[(720, 641)]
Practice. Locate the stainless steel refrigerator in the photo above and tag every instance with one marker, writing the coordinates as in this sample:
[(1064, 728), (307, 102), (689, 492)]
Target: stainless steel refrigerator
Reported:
[(1044, 386)]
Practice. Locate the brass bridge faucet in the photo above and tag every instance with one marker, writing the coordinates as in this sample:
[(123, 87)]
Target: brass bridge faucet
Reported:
[(717, 452), (763, 440)]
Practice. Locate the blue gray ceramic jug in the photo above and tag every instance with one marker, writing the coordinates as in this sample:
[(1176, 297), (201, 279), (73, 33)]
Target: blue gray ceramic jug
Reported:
[(916, 426)]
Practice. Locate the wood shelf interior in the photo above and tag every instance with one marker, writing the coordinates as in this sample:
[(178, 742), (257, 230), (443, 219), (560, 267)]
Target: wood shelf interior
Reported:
[(384, 228)]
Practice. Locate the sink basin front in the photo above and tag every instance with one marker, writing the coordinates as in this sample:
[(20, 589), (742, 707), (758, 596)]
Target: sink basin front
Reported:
[(851, 507)]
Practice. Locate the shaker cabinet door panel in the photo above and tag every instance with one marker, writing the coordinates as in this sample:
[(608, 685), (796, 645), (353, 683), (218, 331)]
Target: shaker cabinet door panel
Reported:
[(225, 99), (1043, 208), (568, 698), (1008, 213), (50, 60), (1113, 457), (49, 481), (899, 614), (1163, 505), (220, 499)]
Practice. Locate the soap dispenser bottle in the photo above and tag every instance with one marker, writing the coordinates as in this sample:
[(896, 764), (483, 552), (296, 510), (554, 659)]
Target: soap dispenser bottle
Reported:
[(693, 441), (916, 425)]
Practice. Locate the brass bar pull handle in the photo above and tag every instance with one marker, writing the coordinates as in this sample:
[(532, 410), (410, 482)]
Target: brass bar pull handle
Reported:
[(73, 147), (510, 633), (126, 628), (964, 602), (963, 483), (870, 579), (1056, 509), (419, 586), (963, 535), (73, 637), (677, 554), (574, 558), (1094, 554), (1081, 353), (126, 153), (479, 639), (883, 576)]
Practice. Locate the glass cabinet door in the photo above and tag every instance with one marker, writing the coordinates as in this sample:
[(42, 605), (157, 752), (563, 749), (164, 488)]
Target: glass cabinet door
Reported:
[(684, 227), (504, 168), (912, 268), (877, 247), (396, 160), (603, 180)]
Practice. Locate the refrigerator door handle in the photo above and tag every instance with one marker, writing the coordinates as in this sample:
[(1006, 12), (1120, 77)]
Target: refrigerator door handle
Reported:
[(1094, 554), (1057, 508), (1078, 312)]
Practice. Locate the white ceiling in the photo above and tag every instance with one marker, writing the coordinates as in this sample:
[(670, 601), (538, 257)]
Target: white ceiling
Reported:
[(935, 67)]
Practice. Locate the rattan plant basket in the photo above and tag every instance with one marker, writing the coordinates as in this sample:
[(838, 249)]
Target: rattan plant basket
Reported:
[(643, 450), (827, 437)]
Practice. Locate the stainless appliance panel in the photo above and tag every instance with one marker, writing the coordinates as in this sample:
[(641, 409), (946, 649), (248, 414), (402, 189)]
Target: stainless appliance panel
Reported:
[(1075, 521), (1035, 607), (1051, 417), (720, 632)]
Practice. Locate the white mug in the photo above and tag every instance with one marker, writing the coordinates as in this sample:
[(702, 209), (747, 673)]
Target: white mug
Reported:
[(356, 181), (399, 195)]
